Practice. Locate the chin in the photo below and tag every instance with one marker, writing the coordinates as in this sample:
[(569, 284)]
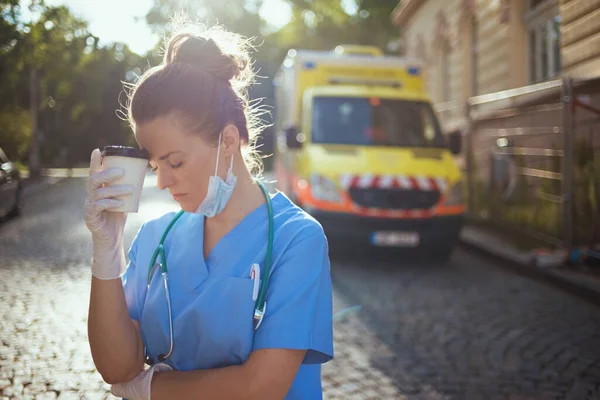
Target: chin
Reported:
[(188, 208)]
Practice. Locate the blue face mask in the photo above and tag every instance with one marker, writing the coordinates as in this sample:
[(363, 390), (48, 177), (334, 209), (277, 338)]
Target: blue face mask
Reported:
[(219, 190)]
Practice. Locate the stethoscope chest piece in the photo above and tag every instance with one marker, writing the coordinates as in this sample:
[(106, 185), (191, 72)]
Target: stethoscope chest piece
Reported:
[(258, 315)]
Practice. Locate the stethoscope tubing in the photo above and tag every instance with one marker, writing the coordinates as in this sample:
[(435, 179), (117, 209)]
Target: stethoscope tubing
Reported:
[(261, 304), (161, 357)]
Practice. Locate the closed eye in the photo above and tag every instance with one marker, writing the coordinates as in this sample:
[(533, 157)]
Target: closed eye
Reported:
[(179, 164)]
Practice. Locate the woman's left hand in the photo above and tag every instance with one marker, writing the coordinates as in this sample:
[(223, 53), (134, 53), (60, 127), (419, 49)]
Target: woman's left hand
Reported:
[(139, 388)]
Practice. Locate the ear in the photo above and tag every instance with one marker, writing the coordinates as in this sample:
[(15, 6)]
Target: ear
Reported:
[(230, 139)]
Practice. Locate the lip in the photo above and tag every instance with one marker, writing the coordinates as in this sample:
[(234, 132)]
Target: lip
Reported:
[(177, 196)]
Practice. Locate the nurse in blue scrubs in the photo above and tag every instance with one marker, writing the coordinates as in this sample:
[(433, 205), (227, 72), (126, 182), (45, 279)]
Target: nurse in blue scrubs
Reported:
[(197, 337)]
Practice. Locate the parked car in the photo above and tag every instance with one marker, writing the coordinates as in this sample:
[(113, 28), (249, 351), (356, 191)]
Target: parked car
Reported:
[(10, 187)]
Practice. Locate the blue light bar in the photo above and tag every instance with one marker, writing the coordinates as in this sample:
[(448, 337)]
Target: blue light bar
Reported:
[(309, 65)]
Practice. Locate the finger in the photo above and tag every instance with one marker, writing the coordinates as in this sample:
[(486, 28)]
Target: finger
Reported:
[(92, 212), (162, 367), (95, 162), (106, 204), (132, 390), (105, 176), (93, 221), (118, 390), (112, 191)]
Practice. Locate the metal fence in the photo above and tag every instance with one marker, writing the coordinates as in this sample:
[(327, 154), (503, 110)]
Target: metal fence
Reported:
[(529, 159)]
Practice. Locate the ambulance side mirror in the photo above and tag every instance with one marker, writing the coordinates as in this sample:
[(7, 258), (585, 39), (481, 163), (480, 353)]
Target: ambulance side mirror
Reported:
[(455, 142), (291, 137)]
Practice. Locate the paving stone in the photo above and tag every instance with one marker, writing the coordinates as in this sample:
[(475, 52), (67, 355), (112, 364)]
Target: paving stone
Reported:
[(422, 332)]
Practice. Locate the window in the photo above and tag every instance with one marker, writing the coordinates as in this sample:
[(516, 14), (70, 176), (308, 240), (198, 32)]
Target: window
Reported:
[(543, 41), (375, 121)]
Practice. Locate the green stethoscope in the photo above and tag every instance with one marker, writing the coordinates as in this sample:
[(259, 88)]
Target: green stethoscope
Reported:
[(261, 304)]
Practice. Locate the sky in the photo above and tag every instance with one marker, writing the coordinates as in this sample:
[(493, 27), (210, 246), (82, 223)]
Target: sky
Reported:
[(124, 20)]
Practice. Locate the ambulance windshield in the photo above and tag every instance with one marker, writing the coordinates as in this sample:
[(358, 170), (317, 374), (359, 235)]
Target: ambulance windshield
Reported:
[(375, 122)]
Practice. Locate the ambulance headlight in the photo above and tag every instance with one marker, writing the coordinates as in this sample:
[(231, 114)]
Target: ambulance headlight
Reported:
[(454, 195), (324, 189)]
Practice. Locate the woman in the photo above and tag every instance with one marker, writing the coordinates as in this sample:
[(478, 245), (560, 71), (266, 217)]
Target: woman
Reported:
[(191, 115)]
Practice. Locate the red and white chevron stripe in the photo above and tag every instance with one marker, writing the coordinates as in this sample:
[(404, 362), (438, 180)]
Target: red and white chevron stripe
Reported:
[(387, 213), (366, 181)]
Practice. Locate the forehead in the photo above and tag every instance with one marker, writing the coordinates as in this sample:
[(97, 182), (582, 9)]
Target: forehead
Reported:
[(162, 135)]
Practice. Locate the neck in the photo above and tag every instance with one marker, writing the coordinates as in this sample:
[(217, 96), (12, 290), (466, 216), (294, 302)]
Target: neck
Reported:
[(246, 197)]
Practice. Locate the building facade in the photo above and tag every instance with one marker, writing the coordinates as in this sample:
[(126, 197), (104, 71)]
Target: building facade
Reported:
[(474, 47), (528, 153)]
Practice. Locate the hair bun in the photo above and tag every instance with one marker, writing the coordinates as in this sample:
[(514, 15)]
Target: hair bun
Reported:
[(205, 54)]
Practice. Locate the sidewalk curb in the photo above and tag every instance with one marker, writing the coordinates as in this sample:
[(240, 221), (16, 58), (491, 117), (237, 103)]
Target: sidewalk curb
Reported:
[(519, 262)]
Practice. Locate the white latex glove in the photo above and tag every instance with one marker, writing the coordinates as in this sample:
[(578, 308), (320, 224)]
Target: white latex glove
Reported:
[(139, 388), (108, 260)]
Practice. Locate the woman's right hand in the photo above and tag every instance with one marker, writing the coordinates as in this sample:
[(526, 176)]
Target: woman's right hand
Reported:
[(108, 261)]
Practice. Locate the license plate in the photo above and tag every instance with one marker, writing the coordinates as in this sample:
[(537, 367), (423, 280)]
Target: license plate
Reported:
[(395, 239)]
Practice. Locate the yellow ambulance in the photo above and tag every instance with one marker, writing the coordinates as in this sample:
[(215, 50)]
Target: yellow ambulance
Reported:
[(359, 147)]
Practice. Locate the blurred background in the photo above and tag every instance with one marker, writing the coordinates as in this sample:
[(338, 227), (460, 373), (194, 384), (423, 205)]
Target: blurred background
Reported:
[(67, 60), (446, 146)]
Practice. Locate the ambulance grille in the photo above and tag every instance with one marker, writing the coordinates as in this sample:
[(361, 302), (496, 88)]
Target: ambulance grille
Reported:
[(395, 199)]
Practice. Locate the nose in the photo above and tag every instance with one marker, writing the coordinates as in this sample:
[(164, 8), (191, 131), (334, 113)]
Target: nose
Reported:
[(164, 179)]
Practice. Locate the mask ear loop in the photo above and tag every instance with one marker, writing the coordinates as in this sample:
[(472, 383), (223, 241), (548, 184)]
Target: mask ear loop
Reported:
[(218, 154)]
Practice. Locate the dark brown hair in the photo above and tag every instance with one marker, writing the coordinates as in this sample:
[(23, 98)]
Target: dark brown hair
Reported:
[(202, 81)]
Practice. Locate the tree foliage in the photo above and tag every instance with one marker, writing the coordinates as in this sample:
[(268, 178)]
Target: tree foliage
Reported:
[(78, 85)]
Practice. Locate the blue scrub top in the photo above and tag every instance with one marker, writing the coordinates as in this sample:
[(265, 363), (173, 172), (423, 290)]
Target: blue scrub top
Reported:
[(212, 302)]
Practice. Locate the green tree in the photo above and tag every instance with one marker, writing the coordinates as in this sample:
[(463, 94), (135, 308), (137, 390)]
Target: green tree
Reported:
[(14, 122), (314, 25), (75, 94), (323, 25), (9, 37)]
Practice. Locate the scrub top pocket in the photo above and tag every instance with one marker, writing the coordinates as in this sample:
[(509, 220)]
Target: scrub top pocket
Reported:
[(213, 326)]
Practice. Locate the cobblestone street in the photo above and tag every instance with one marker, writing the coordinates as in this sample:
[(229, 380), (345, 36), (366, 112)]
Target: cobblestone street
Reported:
[(466, 330)]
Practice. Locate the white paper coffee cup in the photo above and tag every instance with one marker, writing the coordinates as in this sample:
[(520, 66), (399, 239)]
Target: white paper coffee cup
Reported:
[(134, 162)]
